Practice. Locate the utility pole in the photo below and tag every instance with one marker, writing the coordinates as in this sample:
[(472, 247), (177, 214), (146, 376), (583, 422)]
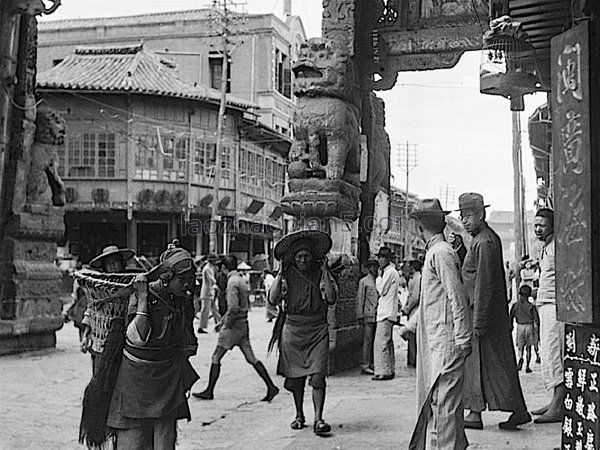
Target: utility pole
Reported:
[(224, 21), (407, 161), (447, 194), (519, 191)]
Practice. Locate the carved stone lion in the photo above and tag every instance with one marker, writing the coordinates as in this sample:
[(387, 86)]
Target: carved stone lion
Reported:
[(44, 185), (324, 68), (326, 121), (326, 140)]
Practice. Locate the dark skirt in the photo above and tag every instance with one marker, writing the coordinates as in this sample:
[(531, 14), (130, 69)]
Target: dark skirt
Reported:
[(151, 390), (304, 346)]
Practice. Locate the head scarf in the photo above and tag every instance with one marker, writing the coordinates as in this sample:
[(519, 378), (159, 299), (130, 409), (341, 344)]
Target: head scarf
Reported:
[(173, 261), (303, 244)]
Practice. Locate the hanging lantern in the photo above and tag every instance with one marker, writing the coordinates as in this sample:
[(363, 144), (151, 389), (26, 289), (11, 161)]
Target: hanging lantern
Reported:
[(508, 65)]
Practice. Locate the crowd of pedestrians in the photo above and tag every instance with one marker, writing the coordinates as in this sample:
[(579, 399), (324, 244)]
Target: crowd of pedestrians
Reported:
[(451, 305)]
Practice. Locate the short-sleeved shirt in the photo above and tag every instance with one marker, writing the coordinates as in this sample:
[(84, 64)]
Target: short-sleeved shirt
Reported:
[(523, 312)]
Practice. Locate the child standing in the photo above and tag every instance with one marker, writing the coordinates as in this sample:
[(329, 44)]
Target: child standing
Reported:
[(526, 316)]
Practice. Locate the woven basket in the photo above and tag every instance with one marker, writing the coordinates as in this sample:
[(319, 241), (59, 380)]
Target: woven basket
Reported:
[(107, 297)]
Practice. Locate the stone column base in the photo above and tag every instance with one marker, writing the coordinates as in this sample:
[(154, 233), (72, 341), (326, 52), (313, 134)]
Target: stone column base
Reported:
[(18, 336)]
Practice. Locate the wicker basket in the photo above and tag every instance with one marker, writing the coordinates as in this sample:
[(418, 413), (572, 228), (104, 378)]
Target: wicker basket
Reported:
[(107, 297)]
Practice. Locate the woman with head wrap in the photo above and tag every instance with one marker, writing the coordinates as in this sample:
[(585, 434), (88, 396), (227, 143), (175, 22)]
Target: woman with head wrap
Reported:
[(150, 392), (305, 288)]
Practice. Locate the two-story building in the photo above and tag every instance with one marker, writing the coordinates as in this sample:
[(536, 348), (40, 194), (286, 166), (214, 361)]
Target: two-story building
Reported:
[(261, 49), (139, 161)]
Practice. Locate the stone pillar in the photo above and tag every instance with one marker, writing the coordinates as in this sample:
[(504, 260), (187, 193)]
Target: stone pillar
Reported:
[(575, 102), (32, 195), (324, 169)]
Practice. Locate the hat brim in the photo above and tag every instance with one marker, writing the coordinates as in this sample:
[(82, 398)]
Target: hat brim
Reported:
[(418, 214), (321, 241), (471, 207), (126, 253)]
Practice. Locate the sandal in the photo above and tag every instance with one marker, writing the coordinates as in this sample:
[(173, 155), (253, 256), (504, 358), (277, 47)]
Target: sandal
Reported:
[(321, 427), (298, 423)]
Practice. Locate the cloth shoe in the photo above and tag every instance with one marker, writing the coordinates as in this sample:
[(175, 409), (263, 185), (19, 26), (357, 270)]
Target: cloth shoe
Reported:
[(515, 420)]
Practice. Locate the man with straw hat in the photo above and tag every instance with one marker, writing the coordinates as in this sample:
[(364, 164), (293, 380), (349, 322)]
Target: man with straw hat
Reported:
[(491, 376), (304, 288), (443, 327), (112, 260)]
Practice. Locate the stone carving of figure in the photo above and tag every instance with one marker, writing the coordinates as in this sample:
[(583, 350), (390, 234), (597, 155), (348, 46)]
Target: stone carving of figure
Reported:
[(326, 141), (44, 185)]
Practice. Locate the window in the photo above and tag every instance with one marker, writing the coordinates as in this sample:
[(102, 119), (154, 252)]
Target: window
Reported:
[(106, 155), (204, 162), (226, 167), (215, 64), (146, 158), (283, 74), (89, 155), (174, 159)]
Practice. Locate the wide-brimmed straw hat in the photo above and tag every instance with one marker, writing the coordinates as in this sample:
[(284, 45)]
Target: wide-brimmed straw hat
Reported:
[(471, 200), (321, 242), (111, 250), (429, 207)]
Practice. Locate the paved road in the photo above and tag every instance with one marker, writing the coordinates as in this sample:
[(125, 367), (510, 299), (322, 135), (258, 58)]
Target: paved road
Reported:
[(40, 397)]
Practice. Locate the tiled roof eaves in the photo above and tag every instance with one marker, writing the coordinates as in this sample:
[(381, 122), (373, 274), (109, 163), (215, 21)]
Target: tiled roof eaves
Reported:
[(45, 87), (142, 72)]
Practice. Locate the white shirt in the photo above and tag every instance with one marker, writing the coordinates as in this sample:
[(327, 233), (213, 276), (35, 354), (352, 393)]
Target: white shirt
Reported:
[(387, 288), (209, 282)]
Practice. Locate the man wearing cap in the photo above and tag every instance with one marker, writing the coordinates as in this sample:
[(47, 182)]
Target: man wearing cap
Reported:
[(491, 374), (387, 314), (208, 293), (366, 312), (444, 332)]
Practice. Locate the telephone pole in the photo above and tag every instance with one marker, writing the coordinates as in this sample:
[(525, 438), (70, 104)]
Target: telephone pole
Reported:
[(224, 21), (519, 189), (407, 161), (447, 195)]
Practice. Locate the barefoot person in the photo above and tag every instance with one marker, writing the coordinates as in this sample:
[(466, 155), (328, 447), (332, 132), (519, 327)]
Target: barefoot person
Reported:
[(234, 332), (153, 374), (551, 330), (304, 288)]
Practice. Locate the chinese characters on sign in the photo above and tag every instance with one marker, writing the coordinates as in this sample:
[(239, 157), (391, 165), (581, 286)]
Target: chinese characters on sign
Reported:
[(573, 181), (581, 426)]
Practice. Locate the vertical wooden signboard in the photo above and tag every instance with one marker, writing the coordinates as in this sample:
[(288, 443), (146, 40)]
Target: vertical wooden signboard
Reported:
[(581, 426), (573, 162)]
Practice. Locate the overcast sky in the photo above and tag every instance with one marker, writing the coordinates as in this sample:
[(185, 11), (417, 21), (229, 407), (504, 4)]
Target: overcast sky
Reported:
[(463, 138)]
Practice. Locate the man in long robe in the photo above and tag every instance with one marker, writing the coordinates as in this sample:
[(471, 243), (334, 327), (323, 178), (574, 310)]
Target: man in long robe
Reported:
[(491, 376), (443, 337)]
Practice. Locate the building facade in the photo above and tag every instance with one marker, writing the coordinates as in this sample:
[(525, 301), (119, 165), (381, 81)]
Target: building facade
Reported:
[(261, 50), (139, 162)]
